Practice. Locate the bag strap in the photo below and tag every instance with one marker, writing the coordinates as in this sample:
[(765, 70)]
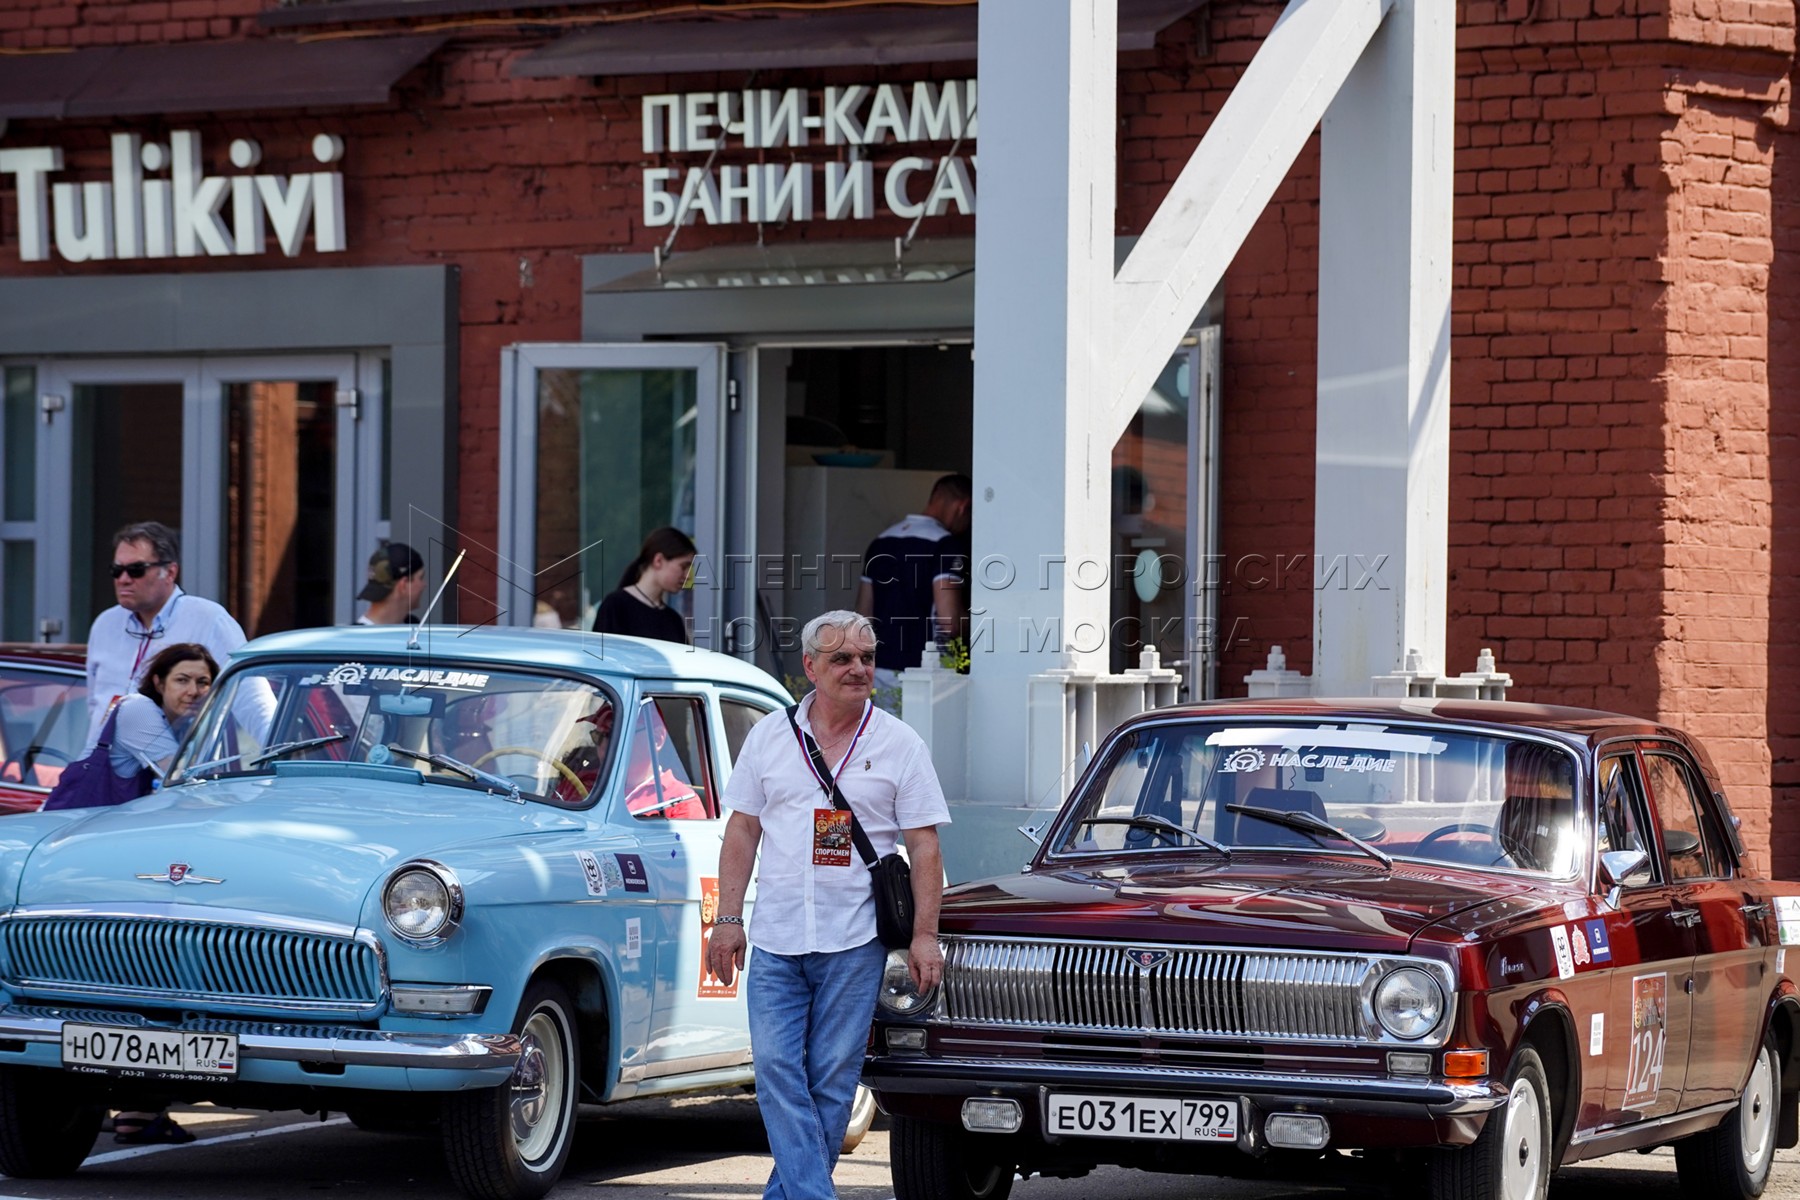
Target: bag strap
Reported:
[(864, 847)]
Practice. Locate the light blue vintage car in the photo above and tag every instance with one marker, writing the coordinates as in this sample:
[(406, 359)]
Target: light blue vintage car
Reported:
[(462, 874)]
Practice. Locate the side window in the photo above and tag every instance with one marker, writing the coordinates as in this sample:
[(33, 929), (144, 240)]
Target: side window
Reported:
[(1621, 816), (740, 719), (1693, 845), (667, 776)]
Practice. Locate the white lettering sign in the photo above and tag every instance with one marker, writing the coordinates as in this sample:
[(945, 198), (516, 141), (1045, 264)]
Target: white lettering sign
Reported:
[(189, 214), (852, 189)]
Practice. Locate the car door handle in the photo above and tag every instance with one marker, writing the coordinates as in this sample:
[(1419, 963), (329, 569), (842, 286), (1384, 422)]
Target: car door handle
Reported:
[(1685, 917), (1759, 911)]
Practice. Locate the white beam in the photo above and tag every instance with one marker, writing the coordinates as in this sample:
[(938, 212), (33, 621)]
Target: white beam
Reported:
[(1382, 457), (1219, 195), (1043, 281)]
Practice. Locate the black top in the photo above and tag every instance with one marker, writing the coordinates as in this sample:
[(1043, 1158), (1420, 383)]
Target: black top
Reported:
[(900, 567), (621, 612)]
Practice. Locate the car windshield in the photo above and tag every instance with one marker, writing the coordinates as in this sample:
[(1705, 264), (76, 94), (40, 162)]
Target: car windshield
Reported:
[(43, 722), (466, 725), (1406, 794)]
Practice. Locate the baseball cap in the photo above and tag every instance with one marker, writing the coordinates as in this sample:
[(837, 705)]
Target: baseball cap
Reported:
[(390, 564)]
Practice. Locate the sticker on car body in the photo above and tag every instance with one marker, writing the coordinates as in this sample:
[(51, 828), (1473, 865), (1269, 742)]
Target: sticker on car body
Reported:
[(1565, 958), (1787, 919), (1599, 949), (591, 872), (710, 986), (1649, 1038), (1596, 1034), (631, 873), (634, 937)]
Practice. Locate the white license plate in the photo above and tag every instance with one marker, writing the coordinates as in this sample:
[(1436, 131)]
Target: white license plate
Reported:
[(149, 1053), (1153, 1117)]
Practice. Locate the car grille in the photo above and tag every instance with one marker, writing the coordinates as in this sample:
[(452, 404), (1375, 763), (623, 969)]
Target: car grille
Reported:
[(191, 961), (1194, 991)]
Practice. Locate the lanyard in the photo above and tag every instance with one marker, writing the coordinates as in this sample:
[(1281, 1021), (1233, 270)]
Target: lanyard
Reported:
[(868, 711)]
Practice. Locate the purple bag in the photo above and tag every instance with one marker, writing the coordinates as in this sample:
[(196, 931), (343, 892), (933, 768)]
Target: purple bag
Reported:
[(90, 783)]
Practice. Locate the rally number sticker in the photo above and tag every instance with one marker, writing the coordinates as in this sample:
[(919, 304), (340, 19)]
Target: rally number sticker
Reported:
[(1649, 1039)]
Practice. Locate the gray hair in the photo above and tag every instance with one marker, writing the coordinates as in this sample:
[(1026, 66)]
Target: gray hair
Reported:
[(164, 542), (838, 618)]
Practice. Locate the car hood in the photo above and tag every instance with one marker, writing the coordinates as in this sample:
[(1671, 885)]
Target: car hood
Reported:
[(1298, 902), (296, 848)]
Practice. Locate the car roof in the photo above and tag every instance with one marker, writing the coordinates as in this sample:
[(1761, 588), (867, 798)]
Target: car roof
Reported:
[(556, 649), (1581, 725), (59, 656)]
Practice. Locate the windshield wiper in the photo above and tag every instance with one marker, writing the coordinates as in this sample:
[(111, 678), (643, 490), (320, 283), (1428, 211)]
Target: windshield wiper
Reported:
[(1305, 822), (1157, 825), (444, 762), (284, 748)]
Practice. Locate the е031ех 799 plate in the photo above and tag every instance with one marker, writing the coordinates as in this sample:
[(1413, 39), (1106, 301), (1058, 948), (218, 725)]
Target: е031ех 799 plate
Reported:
[(1156, 1117)]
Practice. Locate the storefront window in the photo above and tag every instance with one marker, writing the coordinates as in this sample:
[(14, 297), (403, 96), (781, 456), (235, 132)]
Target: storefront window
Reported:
[(615, 460), (19, 565), (1150, 514), (128, 449), (281, 444), (21, 444)]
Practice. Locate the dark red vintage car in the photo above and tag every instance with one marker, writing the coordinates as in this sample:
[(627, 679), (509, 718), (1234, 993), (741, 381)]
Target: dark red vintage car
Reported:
[(1465, 942), (43, 721)]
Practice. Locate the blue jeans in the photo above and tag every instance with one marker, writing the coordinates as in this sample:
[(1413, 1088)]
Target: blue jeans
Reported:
[(809, 1023)]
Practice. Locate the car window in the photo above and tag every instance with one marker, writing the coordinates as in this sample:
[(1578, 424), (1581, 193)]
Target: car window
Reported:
[(740, 719), (43, 725), (549, 736), (666, 763), (1620, 823), (1689, 840), (1442, 796)]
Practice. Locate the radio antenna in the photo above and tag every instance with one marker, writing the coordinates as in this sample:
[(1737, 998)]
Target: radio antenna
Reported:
[(413, 642)]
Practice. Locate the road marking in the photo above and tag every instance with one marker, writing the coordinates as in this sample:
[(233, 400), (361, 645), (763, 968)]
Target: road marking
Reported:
[(113, 1156)]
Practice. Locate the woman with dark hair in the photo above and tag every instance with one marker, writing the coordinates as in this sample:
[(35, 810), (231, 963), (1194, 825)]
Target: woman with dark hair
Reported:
[(637, 608), (151, 723)]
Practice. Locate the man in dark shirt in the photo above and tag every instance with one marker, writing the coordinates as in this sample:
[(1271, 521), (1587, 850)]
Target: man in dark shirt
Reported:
[(900, 571)]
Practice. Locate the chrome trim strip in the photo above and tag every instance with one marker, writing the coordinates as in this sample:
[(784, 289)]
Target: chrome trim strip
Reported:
[(349, 1046), (698, 1062), (163, 911), (1008, 1048), (1583, 1136)]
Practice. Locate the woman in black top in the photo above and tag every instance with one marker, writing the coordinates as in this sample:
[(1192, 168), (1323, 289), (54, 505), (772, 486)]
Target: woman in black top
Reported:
[(638, 608)]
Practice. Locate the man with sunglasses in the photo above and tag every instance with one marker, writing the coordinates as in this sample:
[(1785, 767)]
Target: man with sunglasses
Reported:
[(152, 612)]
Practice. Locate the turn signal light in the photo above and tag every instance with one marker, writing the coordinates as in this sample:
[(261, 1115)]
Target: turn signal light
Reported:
[(1465, 1064)]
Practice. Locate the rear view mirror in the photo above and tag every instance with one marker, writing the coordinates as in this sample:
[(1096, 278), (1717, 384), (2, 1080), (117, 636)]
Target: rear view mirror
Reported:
[(1622, 869), (400, 704)]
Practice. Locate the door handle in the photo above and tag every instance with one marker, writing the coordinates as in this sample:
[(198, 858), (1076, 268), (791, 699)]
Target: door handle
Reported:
[(1685, 917), (1759, 911)]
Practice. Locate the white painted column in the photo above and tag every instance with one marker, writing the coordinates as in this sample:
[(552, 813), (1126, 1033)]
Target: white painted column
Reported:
[(1382, 462), (1043, 279)]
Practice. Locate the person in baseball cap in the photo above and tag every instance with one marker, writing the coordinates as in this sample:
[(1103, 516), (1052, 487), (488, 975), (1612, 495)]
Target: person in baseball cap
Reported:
[(396, 582)]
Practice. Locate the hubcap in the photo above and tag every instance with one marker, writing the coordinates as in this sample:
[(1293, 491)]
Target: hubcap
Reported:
[(1524, 1134), (1756, 1118), (537, 1087)]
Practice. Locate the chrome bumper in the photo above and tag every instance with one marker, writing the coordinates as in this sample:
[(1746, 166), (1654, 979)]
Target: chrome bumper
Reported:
[(269, 1041)]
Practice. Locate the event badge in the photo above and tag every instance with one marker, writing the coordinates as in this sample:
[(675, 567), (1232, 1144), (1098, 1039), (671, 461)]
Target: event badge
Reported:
[(831, 837)]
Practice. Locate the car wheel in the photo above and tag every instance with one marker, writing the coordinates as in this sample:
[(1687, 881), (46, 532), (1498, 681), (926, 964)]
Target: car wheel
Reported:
[(937, 1162), (46, 1129), (862, 1115), (1511, 1158), (1731, 1161), (510, 1142)]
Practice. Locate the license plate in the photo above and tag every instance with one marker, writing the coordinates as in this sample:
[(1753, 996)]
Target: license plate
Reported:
[(149, 1053), (1153, 1117)]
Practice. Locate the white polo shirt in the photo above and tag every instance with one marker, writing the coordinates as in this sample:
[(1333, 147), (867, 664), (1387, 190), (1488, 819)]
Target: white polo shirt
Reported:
[(119, 647), (887, 777)]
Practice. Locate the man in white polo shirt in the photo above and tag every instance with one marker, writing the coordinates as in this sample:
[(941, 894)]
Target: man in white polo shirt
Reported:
[(817, 969)]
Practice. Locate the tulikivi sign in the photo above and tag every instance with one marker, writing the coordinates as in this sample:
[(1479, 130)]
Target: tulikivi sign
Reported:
[(135, 215), (852, 118)]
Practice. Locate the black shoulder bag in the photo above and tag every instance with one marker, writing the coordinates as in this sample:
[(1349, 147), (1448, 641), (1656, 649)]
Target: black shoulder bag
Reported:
[(889, 875)]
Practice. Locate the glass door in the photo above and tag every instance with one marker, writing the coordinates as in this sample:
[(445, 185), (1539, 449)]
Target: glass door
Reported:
[(600, 444)]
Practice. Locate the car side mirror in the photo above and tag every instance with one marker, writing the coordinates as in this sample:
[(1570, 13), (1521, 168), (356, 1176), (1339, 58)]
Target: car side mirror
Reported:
[(1621, 869)]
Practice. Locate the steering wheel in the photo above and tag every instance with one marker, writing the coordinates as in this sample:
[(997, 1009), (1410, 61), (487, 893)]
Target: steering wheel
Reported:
[(1509, 847), (561, 768)]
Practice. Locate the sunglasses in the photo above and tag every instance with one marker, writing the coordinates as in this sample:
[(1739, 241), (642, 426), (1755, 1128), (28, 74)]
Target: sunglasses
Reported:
[(136, 570)]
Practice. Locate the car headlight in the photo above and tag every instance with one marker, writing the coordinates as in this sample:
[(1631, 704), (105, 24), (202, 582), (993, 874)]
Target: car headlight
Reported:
[(899, 995), (422, 901), (1409, 1003)]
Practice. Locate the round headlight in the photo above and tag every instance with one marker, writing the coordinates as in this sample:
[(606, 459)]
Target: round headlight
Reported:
[(1409, 1003), (422, 901), (899, 995)]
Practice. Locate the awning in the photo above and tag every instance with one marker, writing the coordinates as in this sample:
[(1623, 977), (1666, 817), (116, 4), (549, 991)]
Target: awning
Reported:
[(208, 77), (845, 39), (928, 260)]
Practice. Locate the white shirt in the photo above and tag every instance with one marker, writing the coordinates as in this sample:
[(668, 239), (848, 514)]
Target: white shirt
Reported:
[(142, 736), (118, 650), (887, 777)]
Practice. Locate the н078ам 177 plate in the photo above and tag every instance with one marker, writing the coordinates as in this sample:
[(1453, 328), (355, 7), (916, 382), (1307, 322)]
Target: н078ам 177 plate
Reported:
[(1156, 1117), (149, 1053)]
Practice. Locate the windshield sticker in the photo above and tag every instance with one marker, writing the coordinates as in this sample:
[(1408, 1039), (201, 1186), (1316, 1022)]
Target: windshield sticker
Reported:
[(347, 675), (634, 937), (631, 870), (590, 871), (1787, 917), (1649, 1038), (1565, 959), (1353, 737), (1596, 1035), (711, 987), (1599, 949), (352, 675), (1248, 760)]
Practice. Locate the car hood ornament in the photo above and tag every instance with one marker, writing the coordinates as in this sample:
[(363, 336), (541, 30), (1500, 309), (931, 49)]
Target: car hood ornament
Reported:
[(179, 873)]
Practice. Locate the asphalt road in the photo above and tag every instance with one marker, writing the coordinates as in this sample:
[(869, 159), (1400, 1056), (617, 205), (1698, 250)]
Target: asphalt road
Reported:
[(704, 1147)]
